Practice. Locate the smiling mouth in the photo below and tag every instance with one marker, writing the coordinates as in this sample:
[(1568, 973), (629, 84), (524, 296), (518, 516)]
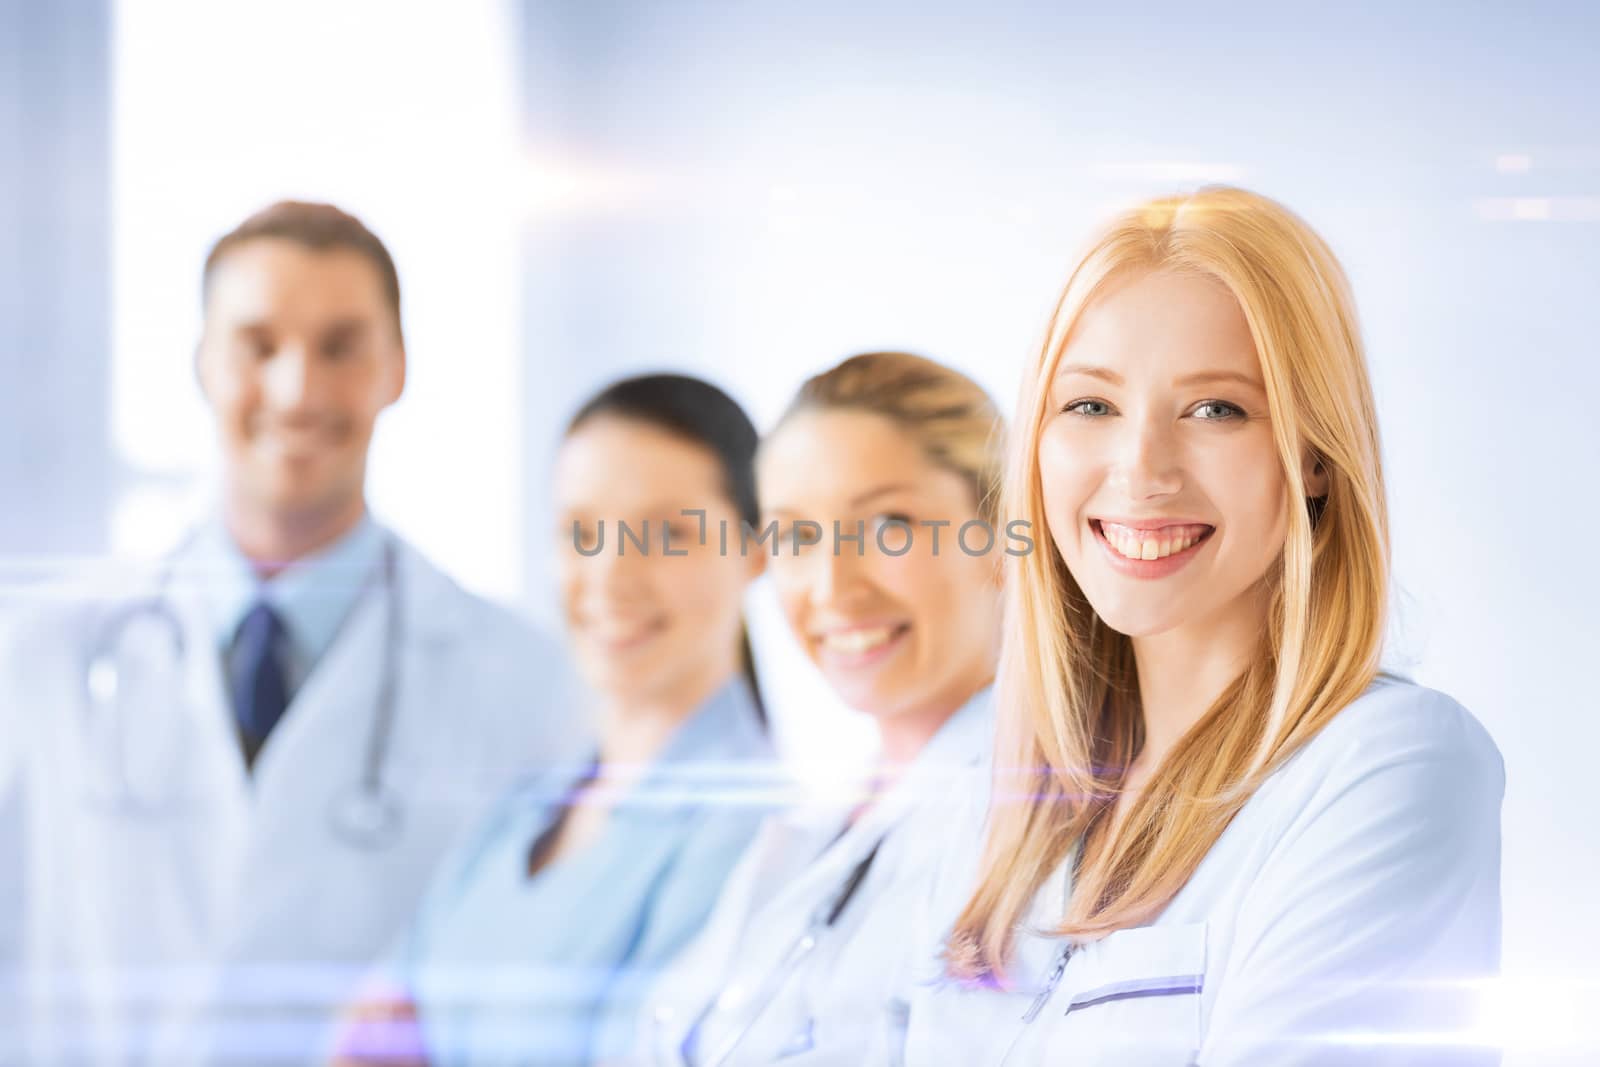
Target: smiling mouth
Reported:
[(615, 640), (296, 440), (1145, 545), (861, 642)]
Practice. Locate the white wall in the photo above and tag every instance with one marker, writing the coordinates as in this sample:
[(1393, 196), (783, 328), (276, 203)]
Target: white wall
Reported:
[(776, 187)]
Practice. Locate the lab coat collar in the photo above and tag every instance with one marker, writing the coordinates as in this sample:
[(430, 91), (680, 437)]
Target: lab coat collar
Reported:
[(946, 763), (808, 851), (313, 595), (1036, 949), (819, 840), (965, 738), (434, 606)]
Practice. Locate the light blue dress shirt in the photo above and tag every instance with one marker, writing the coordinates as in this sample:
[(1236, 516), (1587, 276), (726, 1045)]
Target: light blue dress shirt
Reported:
[(505, 968), (312, 596)]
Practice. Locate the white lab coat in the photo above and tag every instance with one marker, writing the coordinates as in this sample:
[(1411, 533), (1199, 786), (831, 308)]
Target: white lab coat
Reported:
[(1325, 926), (842, 998), (131, 929)]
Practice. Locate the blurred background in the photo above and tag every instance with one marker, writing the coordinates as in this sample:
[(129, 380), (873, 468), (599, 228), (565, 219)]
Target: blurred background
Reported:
[(752, 191)]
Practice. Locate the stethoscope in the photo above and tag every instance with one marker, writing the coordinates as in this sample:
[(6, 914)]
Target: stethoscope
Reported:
[(822, 919), (366, 815)]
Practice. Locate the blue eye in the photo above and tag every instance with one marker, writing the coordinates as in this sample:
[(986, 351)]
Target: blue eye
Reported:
[(1217, 410), (1087, 408)]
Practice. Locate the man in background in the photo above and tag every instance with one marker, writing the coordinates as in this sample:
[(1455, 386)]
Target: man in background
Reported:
[(226, 789)]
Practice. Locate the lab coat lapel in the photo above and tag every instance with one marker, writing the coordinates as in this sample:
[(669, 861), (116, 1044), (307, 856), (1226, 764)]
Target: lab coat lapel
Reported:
[(761, 911), (209, 709), (798, 851), (329, 723), (1036, 949), (434, 606), (786, 847), (808, 875), (431, 618), (321, 736), (949, 765), (211, 768)]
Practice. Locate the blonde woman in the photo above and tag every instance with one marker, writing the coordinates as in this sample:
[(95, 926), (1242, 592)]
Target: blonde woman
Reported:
[(893, 591), (1220, 835)]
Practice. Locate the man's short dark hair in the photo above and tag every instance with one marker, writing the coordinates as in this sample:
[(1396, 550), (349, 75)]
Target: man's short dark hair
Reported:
[(319, 227)]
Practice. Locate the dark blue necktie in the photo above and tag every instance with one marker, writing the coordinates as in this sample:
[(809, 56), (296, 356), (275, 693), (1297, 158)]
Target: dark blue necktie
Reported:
[(260, 681)]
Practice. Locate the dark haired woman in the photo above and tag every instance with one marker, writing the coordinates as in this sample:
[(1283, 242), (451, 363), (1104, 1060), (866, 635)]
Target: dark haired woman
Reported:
[(535, 941)]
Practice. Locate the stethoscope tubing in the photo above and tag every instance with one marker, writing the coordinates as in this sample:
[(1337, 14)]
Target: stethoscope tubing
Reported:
[(822, 920), (367, 817)]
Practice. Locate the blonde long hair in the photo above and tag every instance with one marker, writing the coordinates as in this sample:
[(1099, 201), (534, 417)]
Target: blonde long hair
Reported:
[(1068, 691)]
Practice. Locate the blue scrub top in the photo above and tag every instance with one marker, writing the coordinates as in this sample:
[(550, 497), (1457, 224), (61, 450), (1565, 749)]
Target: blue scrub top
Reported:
[(551, 969)]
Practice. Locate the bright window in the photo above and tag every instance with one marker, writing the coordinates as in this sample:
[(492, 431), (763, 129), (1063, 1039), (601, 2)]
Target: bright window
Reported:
[(407, 116)]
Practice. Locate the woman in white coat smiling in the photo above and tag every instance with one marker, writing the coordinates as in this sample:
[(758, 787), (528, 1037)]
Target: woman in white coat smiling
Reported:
[(808, 941), (1233, 840)]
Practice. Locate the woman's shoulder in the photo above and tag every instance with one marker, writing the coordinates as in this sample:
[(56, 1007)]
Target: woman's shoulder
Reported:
[(1397, 718), (1397, 722)]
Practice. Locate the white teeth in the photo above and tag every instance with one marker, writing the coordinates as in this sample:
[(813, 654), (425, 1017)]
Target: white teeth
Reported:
[(621, 639), (1151, 545), (620, 635), (855, 642)]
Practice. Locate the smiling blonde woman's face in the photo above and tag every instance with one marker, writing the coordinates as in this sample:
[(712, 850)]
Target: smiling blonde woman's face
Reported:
[(907, 634), (1161, 480)]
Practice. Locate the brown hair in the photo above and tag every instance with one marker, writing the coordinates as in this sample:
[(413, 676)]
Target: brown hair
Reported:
[(945, 412), (319, 227)]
